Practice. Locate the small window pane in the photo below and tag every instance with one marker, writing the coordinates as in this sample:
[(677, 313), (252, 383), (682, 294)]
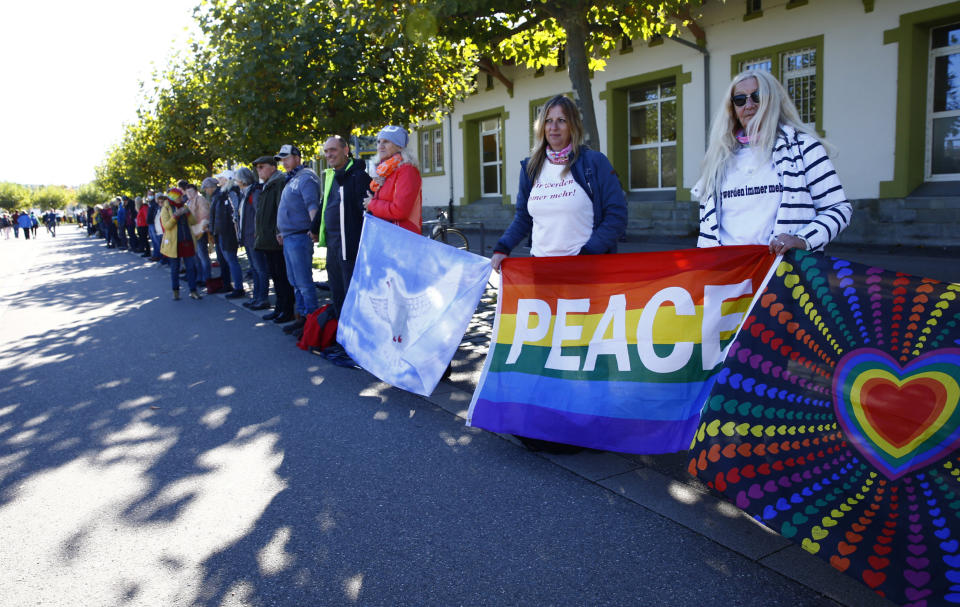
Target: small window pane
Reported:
[(948, 35), (945, 156), (490, 151), (648, 92), (425, 150), (946, 83), (644, 168), (668, 89), (491, 179), (668, 121), (490, 124), (643, 125), (438, 149), (765, 64), (668, 170)]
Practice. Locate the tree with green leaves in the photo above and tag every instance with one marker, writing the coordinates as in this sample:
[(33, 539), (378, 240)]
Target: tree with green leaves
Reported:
[(13, 196), (50, 197), (89, 195), (187, 140), (298, 71), (534, 32)]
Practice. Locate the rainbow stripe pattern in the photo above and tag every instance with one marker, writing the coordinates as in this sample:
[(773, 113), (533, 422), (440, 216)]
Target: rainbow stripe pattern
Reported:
[(615, 352)]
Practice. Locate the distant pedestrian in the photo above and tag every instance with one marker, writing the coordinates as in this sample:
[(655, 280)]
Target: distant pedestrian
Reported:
[(50, 222), (6, 225), (25, 224), (34, 223)]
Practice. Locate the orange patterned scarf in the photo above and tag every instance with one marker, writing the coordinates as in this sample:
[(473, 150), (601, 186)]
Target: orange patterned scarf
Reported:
[(384, 170)]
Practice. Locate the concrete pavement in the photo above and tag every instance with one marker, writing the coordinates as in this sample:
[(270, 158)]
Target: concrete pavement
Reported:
[(155, 452)]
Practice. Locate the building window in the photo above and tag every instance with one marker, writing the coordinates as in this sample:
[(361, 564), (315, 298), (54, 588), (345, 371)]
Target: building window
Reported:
[(645, 133), (754, 6), (561, 58), (943, 105), (431, 150), (489, 81), (491, 157), (652, 116), (797, 66), (483, 155)]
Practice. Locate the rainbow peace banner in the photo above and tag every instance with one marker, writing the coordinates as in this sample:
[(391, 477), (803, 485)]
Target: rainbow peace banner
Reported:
[(836, 422), (615, 352)]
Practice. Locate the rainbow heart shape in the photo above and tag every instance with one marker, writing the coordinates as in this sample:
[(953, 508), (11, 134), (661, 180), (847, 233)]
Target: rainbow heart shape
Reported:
[(900, 418)]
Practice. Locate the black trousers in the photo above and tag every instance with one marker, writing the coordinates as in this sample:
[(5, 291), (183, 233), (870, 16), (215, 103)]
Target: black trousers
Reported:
[(143, 238), (281, 286), (339, 272)]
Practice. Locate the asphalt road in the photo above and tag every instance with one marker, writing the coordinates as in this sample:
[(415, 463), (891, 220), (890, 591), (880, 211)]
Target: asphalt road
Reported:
[(155, 452)]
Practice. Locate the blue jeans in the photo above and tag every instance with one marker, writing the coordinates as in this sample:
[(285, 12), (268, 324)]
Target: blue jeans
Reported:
[(261, 275), (298, 255), (175, 273), (236, 274), (203, 257), (154, 240)]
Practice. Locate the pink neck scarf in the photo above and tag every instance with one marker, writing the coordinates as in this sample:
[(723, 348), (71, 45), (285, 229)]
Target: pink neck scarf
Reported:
[(560, 157)]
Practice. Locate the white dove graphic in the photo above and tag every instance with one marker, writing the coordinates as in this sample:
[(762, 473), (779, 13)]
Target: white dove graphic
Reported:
[(401, 309)]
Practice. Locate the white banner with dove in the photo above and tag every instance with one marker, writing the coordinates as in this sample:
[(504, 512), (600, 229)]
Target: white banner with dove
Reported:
[(409, 304)]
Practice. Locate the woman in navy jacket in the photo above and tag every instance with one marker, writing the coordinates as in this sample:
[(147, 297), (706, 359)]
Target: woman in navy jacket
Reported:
[(570, 198)]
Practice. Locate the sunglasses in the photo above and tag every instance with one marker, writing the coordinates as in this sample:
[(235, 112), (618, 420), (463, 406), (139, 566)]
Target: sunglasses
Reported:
[(741, 100)]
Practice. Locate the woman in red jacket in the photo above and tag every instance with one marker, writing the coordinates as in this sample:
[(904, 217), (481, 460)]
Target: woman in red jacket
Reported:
[(397, 186), (143, 236)]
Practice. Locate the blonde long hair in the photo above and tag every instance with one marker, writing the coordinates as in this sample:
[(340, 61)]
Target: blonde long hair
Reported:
[(776, 110), (538, 154)]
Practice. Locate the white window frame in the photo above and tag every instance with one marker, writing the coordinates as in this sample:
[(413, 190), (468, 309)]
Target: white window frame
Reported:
[(498, 133), (660, 144), (931, 115), (438, 150)]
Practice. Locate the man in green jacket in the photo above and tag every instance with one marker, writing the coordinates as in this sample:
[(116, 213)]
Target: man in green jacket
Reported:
[(266, 237)]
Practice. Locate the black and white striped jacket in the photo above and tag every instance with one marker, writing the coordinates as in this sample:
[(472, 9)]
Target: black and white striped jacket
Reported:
[(813, 205)]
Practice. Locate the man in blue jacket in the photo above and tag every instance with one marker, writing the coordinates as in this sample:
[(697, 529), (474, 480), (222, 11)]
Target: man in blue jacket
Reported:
[(299, 203)]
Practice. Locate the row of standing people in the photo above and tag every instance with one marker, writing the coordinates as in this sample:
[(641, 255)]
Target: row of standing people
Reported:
[(279, 217)]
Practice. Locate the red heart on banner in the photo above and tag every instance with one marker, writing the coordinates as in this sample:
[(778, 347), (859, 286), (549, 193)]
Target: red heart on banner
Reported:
[(899, 414)]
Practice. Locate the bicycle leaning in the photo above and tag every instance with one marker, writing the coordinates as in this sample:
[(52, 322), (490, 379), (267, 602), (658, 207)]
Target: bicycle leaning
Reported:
[(444, 231)]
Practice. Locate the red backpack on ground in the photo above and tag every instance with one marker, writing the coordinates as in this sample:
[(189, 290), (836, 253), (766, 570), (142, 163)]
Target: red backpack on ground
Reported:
[(320, 330)]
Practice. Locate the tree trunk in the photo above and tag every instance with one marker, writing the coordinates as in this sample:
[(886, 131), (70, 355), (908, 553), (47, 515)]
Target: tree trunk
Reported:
[(575, 25)]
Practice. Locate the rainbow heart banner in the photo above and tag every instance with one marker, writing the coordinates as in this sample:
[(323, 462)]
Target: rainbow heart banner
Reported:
[(836, 422), (615, 352)]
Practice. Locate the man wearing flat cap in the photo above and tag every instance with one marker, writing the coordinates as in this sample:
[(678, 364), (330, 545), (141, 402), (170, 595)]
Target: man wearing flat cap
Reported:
[(299, 203)]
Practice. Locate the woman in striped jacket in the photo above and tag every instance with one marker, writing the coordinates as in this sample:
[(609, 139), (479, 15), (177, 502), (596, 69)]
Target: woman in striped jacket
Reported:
[(767, 178)]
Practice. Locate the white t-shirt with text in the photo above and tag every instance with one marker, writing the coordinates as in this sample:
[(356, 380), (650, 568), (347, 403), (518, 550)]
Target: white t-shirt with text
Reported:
[(749, 200), (562, 213)]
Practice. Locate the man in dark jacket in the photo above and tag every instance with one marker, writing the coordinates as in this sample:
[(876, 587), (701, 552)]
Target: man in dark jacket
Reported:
[(224, 204), (266, 237), (338, 225)]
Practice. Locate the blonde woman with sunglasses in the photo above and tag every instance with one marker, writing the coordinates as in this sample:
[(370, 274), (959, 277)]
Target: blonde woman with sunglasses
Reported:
[(767, 177)]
